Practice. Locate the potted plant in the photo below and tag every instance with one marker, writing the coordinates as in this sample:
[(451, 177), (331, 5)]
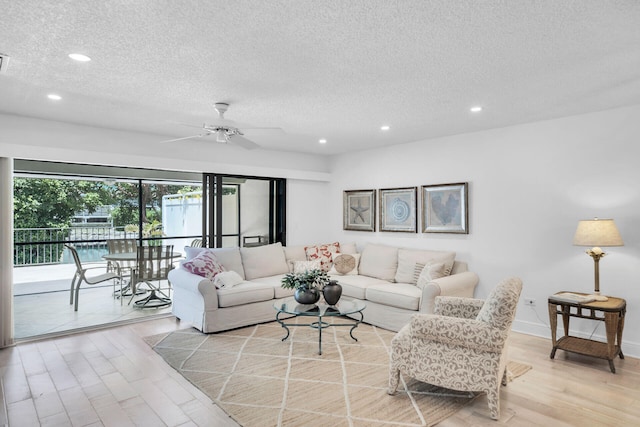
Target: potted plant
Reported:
[(307, 285)]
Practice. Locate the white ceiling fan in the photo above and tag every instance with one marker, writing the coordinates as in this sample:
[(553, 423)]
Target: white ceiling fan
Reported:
[(225, 131)]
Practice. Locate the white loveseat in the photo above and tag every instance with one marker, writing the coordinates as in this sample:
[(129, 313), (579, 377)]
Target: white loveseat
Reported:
[(390, 303)]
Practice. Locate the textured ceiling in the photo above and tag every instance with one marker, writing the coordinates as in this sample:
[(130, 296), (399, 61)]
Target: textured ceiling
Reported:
[(319, 69)]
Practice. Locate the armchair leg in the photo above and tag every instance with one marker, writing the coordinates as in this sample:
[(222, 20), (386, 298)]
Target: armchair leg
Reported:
[(493, 398), (394, 380)]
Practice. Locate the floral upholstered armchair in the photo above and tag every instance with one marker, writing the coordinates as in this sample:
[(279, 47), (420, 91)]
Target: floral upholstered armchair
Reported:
[(462, 346)]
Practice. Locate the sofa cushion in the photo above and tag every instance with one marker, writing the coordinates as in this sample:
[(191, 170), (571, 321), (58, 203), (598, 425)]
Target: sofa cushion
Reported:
[(228, 257), (275, 282), (205, 264), (263, 261), (356, 286), (379, 261), (348, 248), (294, 253), (244, 293), (324, 253), (401, 295), (345, 264), (408, 258)]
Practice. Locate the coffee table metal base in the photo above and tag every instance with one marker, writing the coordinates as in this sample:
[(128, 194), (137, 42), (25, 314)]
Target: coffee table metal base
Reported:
[(319, 325)]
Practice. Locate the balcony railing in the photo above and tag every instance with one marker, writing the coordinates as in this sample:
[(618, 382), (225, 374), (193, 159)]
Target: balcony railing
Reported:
[(37, 246)]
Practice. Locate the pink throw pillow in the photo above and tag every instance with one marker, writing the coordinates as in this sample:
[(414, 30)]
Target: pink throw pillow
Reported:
[(205, 264)]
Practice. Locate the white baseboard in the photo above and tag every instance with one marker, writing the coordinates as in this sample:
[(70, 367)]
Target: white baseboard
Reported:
[(631, 349)]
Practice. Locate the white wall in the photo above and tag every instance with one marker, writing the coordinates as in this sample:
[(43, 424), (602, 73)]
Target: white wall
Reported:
[(528, 187), (309, 215)]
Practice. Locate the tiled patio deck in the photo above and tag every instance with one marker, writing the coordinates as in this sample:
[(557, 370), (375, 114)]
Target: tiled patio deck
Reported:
[(41, 303)]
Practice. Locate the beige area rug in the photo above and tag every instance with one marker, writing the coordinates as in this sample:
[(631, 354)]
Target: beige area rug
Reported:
[(261, 381)]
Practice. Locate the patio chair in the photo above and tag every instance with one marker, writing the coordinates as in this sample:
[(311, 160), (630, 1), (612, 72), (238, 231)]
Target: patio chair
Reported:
[(153, 265), (81, 276), (121, 268), (196, 243)]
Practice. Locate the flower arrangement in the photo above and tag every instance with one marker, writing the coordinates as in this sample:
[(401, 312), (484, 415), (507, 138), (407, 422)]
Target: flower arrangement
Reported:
[(310, 279)]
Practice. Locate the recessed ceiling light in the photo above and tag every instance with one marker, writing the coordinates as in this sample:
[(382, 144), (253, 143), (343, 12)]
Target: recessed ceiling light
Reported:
[(322, 141), (475, 109), (385, 127), (54, 97), (79, 57)]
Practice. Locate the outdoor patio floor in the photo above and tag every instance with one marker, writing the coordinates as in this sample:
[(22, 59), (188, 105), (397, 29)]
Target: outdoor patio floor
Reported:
[(41, 303)]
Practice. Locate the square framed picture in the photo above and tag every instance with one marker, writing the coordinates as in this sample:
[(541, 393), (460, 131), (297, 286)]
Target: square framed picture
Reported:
[(444, 208), (359, 210), (399, 209)]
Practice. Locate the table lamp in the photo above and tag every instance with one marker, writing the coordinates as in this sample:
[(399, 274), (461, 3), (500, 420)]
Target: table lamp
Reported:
[(595, 233)]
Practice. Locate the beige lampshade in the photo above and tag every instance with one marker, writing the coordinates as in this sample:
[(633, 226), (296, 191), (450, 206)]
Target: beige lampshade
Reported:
[(597, 232)]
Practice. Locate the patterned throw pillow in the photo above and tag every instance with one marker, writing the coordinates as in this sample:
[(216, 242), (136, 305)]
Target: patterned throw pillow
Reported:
[(205, 264), (431, 272), (324, 253), (417, 271), (304, 266), (345, 264)]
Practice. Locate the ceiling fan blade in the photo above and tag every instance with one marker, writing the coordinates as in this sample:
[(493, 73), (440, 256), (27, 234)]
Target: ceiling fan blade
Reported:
[(186, 137), (243, 142), (263, 131)]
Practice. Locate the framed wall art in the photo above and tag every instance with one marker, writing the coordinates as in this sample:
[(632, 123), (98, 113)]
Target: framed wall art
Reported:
[(444, 208), (359, 210), (398, 209)]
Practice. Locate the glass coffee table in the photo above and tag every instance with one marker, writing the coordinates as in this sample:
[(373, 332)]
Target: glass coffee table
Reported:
[(319, 310)]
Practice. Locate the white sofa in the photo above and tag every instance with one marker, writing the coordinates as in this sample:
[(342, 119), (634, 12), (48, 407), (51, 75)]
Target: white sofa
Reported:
[(390, 303)]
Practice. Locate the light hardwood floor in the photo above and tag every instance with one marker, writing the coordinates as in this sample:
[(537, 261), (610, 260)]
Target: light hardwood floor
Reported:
[(112, 378)]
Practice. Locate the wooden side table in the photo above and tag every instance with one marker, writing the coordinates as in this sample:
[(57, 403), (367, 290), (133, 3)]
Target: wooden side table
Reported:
[(611, 312)]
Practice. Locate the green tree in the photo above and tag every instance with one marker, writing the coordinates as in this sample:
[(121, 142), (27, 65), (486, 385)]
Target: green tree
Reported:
[(51, 203)]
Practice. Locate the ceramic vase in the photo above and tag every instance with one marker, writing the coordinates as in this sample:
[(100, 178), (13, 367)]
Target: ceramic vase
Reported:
[(306, 295), (332, 292)]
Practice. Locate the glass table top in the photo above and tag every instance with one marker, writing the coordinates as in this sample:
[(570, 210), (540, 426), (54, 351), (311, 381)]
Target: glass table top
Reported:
[(291, 306)]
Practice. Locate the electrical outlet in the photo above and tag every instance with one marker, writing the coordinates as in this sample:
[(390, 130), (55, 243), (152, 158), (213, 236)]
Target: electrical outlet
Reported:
[(530, 301)]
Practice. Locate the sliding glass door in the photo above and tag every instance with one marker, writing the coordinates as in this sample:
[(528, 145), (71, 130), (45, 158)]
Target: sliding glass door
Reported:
[(244, 211)]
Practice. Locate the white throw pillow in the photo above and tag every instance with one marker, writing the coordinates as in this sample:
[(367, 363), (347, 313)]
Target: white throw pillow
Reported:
[(345, 265), (227, 279), (431, 272)]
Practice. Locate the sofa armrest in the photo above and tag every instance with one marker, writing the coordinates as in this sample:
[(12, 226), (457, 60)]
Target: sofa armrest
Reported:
[(456, 285), (467, 333), (189, 282)]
